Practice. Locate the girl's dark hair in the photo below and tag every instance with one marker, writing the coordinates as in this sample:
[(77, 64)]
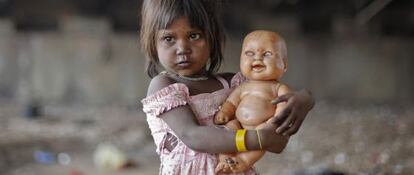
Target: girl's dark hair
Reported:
[(203, 14)]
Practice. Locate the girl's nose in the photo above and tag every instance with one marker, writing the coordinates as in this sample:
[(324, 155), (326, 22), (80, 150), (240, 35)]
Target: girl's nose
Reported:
[(183, 47)]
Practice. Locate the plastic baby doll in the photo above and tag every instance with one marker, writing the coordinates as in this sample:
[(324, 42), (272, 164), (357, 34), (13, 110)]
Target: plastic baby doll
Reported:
[(263, 61)]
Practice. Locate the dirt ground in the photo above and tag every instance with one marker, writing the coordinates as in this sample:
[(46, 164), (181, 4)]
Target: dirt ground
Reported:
[(362, 139)]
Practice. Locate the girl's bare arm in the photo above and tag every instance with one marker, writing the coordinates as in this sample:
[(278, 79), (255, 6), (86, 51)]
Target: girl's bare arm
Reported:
[(209, 138)]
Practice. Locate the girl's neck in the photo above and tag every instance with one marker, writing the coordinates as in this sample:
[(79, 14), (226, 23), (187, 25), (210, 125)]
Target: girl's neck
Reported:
[(198, 77)]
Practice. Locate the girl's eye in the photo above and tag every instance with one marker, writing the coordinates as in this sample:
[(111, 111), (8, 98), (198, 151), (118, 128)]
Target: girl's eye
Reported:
[(249, 53), (267, 54), (195, 36), (168, 38)]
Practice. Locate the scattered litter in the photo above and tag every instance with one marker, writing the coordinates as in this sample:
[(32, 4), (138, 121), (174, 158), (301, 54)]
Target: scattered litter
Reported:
[(384, 157), (107, 156), (64, 159), (32, 110), (398, 169), (44, 157), (340, 158), (75, 172)]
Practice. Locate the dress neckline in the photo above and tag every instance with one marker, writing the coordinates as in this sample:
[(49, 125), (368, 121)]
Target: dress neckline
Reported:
[(223, 82)]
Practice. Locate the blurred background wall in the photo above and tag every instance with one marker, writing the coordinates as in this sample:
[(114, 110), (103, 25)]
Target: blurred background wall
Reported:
[(87, 51)]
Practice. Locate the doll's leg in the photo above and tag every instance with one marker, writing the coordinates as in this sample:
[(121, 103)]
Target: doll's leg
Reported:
[(243, 161), (223, 165)]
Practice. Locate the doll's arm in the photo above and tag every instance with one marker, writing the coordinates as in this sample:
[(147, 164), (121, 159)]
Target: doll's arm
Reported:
[(228, 108), (225, 114), (283, 90)]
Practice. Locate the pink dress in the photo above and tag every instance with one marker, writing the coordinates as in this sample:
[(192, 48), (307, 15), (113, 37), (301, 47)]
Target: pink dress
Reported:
[(183, 160)]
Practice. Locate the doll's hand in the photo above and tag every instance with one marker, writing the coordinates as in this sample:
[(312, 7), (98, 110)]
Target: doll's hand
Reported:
[(221, 118), (225, 114), (299, 103)]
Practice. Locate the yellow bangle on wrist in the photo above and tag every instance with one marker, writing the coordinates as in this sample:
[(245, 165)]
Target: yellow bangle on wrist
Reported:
[(240, 140)]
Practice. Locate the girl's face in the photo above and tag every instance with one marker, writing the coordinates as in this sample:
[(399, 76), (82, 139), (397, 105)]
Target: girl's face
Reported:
[(182, 49)]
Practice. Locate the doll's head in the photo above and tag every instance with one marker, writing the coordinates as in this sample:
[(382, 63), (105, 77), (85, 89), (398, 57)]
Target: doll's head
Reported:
[(158, 15), (263, 56)]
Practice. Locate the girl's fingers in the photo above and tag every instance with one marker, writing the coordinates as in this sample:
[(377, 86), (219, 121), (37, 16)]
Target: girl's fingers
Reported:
[(287, 123), (282, 98), (295, 127), (279, 118)]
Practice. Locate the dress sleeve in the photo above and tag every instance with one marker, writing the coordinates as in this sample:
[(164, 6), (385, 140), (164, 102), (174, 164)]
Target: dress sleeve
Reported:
[(170, 97), (238, 79)]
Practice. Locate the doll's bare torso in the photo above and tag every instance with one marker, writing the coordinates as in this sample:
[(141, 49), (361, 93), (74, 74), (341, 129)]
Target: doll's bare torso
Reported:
[(255, 105)]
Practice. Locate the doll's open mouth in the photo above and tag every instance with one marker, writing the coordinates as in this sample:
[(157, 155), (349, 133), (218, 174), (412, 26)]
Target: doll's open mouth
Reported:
[(258, 67)]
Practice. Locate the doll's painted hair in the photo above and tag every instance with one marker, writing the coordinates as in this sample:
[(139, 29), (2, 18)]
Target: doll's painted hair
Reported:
[(203, 14)]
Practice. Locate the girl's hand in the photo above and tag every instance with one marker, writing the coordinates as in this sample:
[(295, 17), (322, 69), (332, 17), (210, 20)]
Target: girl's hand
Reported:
[(299, 103), (272, 141)]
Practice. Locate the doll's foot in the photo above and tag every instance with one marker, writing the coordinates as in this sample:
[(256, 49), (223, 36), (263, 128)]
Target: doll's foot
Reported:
[(237, 165), (222, 168)]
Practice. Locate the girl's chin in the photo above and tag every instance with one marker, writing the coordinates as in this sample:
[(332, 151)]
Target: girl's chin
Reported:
[(189, 72), (184, 73)]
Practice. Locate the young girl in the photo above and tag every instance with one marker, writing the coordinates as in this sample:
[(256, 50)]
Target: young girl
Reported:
[(183, 41)]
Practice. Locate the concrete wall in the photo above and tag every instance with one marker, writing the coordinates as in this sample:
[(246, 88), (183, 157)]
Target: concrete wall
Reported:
[(86, 62)]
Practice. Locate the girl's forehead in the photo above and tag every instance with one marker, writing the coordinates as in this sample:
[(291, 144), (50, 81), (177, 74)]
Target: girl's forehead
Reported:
[(180, 24)]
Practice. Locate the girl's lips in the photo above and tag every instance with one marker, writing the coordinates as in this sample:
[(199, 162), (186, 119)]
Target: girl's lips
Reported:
[(184, 63)]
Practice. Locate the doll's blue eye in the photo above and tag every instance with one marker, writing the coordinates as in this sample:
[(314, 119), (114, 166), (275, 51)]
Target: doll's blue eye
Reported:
[(249, 53)]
